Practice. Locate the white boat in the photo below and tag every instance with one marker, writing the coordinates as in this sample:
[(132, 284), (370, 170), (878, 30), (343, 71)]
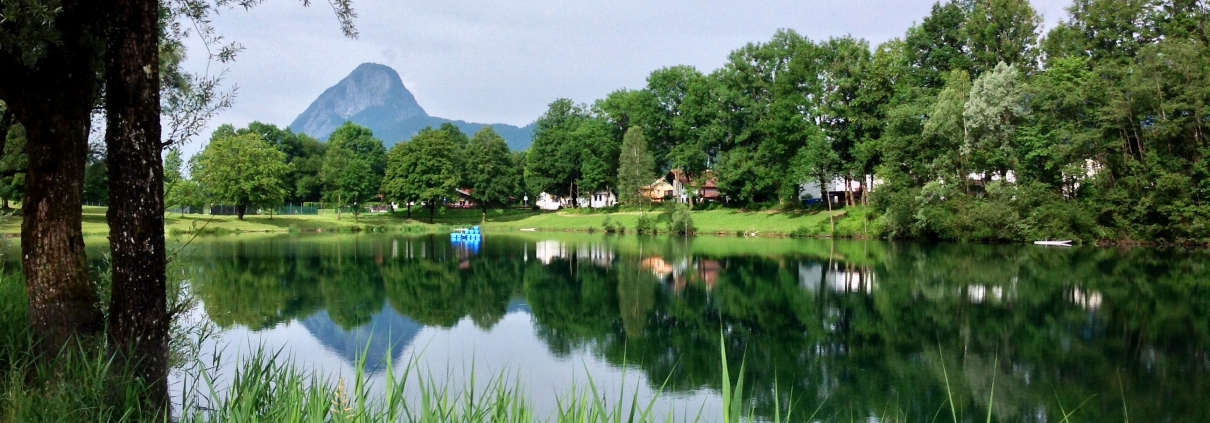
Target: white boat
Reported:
[(529, 229), (1066, 243)]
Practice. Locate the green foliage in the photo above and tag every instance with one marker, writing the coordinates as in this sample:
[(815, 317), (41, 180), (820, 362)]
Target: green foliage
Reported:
[(488, 170), (645, 225), (680, 218), (425, 169), (14, 160), (304, 153), (348, 178), (574, 152), (242, 170), (360, 140), (636, 167), (611, 227)]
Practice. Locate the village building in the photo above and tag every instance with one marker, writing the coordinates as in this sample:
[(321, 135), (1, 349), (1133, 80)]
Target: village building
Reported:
[(462, 201), (659, 190), (599, 199)]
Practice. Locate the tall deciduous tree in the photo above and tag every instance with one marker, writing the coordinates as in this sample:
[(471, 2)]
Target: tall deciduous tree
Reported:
[(242, 171), (488, 170), (348, 179), (302, 151), (138, 317), (554, 159), (1003, 31), (636, 167), (50, 58), (13, 160), (425, 169), (992, 114), (360, 140)]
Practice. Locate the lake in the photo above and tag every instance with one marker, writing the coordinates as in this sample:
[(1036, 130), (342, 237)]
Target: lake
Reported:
[(844, 330)]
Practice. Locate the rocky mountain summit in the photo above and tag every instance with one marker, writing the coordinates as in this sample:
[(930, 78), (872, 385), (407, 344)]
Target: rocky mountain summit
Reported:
[(374, 96)]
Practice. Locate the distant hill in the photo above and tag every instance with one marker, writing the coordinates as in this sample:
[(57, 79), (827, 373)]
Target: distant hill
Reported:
[(374, 96)]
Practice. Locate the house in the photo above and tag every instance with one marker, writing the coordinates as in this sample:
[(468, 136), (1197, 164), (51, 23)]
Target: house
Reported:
[(839, 190), (599, 199), (684, 186), (549, 202), (462, 201), (659, 190)]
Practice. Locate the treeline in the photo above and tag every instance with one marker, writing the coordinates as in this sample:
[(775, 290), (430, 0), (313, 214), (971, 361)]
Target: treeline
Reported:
[(265, 166), (973, 125)]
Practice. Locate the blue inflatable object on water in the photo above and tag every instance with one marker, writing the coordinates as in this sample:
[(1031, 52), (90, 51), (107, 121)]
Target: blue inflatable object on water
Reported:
[(472, 235)]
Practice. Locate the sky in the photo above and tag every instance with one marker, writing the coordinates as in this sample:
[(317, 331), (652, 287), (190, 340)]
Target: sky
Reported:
[(492, 61)]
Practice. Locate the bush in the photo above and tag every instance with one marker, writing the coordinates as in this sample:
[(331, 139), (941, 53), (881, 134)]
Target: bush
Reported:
[(646, 225), (680, 219), (610, 227)]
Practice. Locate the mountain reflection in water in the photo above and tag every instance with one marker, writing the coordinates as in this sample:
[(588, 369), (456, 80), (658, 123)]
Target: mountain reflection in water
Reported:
[(859, 327)]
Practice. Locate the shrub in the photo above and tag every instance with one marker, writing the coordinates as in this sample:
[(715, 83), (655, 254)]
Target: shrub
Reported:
[(610, 227), (680, 220), (646, 225)]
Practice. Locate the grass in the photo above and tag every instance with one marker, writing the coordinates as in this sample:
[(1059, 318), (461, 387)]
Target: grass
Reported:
[(856, 222)]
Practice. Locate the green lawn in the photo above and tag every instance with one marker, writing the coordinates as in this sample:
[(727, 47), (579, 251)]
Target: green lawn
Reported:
[(727, 221), (707, 222)]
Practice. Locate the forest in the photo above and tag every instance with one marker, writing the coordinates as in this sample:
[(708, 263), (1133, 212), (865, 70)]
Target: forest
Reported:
[(972, 126)]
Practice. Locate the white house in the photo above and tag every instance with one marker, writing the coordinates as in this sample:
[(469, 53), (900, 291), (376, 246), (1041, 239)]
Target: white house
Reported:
[(549, 202), (599, 199)]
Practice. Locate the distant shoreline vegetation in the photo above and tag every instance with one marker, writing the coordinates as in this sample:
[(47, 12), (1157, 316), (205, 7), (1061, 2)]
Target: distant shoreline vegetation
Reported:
[(857, 223)]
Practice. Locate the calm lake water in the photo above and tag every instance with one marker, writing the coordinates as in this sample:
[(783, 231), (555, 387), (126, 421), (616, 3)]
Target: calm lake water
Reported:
[(861, 331)]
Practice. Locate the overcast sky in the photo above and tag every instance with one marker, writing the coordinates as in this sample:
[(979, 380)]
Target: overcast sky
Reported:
[(504, 61)]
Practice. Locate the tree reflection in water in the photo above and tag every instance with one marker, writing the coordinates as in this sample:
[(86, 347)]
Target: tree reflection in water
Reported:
[(861, 327)]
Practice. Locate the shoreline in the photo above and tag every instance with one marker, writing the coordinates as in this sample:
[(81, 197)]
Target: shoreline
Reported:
[(855, 223)]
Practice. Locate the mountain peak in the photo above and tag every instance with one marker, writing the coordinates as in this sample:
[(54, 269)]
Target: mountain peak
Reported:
[(372, 95)]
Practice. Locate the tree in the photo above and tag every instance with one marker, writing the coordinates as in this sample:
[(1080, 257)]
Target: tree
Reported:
[(243, 171), (348, 179), (304, 152), (945, 130), (996, 105), (13, 160), (360, 140), (553, 161), (424, 170), (179, 191), (1003, 31), (50, 58), (308, 163), (636, 167), (488, 170), (96, 177)]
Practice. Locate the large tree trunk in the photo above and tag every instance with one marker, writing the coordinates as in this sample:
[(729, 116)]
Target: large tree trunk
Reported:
[(54, 100), (240, 210), (138, 316), (62, 302)]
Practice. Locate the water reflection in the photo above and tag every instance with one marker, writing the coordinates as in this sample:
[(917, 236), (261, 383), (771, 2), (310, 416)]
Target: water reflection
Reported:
[(861, 328)]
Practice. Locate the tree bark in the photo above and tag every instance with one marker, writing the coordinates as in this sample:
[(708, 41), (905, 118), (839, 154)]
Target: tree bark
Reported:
[(54, 100), (240, 210), (63, 304), (138, 316), (828, 198)]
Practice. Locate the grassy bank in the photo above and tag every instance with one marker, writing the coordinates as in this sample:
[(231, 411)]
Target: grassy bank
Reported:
[(856, 222)]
